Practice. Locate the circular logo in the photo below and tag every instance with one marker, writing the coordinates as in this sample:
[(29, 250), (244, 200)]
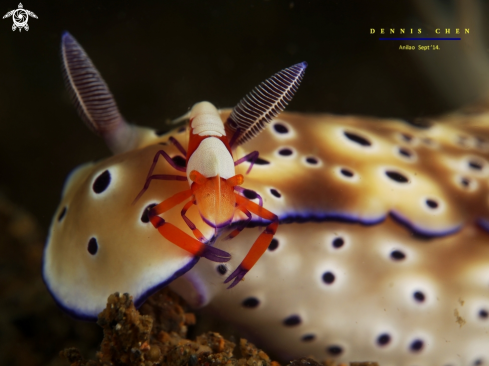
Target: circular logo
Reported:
[(20, 17)]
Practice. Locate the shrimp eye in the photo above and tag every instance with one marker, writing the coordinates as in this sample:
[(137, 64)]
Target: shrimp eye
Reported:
[(237, 180)]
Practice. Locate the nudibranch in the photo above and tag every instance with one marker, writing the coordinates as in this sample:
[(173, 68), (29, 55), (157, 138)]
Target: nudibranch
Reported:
[(382, 252), (80, 256)]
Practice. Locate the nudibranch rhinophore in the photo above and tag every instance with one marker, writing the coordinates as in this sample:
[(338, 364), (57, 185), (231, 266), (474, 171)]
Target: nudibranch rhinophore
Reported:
[(382, 251)]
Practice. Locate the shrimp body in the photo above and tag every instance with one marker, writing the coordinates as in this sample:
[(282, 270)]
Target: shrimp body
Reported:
[(210, 172), (210, 165)]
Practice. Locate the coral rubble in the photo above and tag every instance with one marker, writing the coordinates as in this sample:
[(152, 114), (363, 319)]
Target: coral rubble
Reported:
[(131, 338), (156, 336)]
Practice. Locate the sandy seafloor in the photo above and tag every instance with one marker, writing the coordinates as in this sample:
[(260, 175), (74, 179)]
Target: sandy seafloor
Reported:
[(159, 58)]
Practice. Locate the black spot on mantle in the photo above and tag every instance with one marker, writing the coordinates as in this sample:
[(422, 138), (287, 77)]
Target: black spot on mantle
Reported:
[(357, 138)]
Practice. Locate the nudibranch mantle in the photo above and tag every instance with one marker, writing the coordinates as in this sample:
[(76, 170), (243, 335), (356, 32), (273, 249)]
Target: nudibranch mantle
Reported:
[(369, 266), (74, 272), (342, 249), (381, 253)]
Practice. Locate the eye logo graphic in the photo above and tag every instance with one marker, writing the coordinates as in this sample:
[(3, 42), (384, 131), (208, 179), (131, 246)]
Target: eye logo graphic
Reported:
[(20, 17)]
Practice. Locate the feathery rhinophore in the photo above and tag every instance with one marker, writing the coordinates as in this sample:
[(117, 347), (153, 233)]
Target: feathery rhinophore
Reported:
[(263, 103), (92, 97)]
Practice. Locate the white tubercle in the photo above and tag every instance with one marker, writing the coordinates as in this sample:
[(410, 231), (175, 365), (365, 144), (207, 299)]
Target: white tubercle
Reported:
[(206, 120)]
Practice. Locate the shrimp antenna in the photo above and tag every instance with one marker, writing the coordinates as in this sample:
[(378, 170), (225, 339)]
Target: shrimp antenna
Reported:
[(263, 103), (92, 97)]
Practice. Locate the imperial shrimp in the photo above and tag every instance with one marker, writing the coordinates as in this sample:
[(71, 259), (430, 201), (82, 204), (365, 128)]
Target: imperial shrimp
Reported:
[(214, 186)]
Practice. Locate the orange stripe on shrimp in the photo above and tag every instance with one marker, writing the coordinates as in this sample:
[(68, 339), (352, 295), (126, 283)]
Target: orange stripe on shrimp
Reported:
[(210, 171)]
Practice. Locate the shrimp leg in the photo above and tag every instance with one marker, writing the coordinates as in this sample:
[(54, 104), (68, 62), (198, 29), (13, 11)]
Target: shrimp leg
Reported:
[(260, 245)]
